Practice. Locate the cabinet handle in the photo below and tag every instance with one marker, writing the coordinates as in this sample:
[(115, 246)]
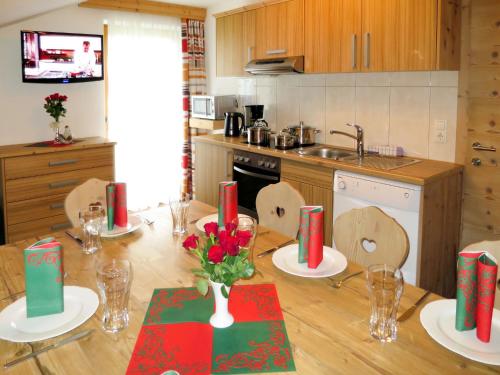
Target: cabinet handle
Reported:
[(62, 162), (55, 206), (354, 56), (479, 147), (367, 50), (60, 226), (275, 51), (60, 184)]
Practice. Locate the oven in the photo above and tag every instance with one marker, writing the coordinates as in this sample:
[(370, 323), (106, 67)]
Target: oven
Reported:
[(253, 172)]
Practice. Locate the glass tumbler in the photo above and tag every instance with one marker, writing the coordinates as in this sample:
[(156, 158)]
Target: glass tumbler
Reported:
[(179, 209), (91, 223), (114, 279), (385, 287), (247, 226)]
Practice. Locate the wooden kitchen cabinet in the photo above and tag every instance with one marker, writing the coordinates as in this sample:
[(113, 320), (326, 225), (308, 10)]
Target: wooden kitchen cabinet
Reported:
[(213, 164), (35, 182)]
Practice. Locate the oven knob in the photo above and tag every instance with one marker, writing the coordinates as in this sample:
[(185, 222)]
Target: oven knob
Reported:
[(260, 163), (272, 165), (266, 164), (246, 160), (341, 185)]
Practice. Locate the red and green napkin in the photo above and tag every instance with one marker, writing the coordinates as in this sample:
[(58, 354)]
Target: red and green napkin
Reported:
[(228, 202), (43, 264), (311, 235), (116, 202), (477, 271), (176, 334)]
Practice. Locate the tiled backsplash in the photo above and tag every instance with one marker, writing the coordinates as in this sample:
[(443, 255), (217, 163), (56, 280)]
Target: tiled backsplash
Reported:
[(393, 108)]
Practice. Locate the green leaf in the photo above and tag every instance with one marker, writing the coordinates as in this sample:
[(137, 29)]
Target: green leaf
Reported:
[(224, 291), (202, 286), (249, 270)]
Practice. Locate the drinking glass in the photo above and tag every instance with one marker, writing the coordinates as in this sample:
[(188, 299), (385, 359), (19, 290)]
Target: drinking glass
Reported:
[(247, 224), (114, 278), (179, 209), (385, 287), (91, 223)]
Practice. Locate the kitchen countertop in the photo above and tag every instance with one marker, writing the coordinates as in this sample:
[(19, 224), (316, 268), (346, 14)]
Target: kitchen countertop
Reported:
[(421, 173), (9, 151)]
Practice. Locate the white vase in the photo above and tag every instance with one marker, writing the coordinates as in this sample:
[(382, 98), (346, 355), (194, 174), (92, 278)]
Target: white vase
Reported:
[(222, 317)]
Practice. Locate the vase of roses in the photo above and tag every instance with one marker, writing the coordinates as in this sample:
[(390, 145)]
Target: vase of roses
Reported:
[(224, 260), (54, 106)]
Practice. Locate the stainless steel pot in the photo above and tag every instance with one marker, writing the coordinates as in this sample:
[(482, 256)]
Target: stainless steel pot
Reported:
[(259, 134), (285, 141), (306, 135)]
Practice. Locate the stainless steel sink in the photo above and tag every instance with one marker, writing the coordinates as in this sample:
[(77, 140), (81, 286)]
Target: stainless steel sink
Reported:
[(327, 153)]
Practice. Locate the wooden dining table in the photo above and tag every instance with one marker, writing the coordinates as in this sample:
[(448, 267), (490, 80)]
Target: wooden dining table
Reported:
[(327, 327)]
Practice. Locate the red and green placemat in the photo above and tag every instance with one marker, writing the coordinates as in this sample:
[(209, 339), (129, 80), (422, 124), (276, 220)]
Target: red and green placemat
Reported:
[(176, 334)]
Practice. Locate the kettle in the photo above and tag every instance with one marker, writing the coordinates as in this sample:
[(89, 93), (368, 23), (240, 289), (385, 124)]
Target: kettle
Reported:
[(232, 123)]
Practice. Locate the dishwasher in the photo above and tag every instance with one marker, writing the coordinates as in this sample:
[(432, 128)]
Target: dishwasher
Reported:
[(399, 200)]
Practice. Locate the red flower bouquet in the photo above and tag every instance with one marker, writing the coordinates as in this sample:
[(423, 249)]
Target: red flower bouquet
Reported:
[(223, 256), (54, 105)]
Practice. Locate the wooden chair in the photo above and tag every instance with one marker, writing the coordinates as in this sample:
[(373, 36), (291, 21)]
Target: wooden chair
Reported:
[(369, 236), (492, 247), (278, 207), (91, 191)]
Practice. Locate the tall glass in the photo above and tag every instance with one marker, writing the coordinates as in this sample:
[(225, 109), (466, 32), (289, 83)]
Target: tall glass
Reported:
[(385, 287), (114, 279), (179, 209), (249, 225), (91, 223)]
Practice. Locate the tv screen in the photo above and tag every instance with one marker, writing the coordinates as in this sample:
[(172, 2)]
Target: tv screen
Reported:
[(49, 57)]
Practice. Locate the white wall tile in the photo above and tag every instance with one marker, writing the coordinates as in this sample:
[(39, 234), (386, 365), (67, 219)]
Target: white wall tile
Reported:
[(444, 78), (341, 79), (410, 79), (266, 95), (225, 86), (312, 109), (409, 120), (340, 109), (315, 80), (247, 86), (288, 101), (373, 79), (266, 81), (372, 113), (443, 107)]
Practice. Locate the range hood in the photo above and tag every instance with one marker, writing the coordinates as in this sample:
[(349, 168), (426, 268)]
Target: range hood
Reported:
[(282, 65)]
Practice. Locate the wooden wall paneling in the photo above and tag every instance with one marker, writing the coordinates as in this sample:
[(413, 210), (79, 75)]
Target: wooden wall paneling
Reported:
[(484, 114), (448, 34)]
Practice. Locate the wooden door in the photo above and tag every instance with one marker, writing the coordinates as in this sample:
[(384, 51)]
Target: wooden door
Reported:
[(280, 30)]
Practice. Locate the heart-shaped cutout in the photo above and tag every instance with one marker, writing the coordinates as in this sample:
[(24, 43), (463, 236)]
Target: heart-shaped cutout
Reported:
[(368, 245)]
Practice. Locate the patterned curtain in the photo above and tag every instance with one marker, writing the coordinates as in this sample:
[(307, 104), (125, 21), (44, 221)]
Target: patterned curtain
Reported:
[(194, 83)]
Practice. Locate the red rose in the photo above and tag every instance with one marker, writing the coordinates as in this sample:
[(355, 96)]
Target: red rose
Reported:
[(216, 254), (229, 243), (230, 227), (244, 237), (211, 228), (191, 242), (47, 99)]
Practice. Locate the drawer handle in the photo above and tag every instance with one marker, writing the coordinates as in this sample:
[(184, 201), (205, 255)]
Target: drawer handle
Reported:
[(276, 51), (62, 162), (479, 147), (60, 184), (55, 206), (60, 226)]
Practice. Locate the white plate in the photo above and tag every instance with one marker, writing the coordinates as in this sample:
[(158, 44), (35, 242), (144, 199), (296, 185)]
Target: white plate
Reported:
[(438, 319), (134, 223), (79, 305), (207, 219), (286, 259)]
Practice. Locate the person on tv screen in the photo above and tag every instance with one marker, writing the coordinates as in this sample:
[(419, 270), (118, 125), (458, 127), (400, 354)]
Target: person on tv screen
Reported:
[(84, 61)]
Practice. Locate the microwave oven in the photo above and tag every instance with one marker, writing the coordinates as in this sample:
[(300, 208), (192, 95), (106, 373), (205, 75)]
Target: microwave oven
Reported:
[(212, 107)]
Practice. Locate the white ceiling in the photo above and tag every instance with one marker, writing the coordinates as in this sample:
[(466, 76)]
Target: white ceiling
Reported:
[(16, 10)]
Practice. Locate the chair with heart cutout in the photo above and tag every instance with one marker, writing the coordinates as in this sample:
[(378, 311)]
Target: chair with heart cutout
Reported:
[(91, 191), (369, 236)]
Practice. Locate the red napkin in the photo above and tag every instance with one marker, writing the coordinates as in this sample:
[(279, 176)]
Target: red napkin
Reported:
[(121, 218), (311, 235), (228, 202)]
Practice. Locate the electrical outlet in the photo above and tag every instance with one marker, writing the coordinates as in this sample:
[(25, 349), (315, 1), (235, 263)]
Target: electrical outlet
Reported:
[(439, 131), (440, 125), (439, 136)]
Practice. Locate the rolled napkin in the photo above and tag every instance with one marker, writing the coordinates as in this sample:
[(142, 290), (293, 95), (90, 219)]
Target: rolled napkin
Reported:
[(311, 235), (111, 205), (228, 202), (44, 274), (121, 218), (476, 280)]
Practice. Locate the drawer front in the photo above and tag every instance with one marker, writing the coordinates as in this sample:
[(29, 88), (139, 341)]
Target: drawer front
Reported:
[(307, 173), (56, 162), (53, 184), (33, 209), (34, 228)]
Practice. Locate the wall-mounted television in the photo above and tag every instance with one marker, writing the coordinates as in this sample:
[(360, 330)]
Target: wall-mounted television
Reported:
[(50, 57)]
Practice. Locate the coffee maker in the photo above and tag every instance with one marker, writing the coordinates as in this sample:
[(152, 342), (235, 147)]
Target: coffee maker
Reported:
[(252, 114)]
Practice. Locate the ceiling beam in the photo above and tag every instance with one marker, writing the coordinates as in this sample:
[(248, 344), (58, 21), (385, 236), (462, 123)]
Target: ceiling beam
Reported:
[(147, 6)]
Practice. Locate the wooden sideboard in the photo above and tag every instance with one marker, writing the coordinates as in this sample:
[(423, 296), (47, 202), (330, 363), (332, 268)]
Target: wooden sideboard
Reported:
[(34, 182)]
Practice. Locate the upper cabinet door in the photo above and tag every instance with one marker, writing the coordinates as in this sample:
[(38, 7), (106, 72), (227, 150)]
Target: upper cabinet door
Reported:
[(280, 30), (229, 35)]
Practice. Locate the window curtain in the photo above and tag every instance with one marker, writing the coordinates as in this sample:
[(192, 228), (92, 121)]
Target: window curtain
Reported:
[(194, 83), (145, 119)]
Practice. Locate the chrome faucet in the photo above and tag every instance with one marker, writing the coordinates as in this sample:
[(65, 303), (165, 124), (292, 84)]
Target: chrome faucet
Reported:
[(359, 137)]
